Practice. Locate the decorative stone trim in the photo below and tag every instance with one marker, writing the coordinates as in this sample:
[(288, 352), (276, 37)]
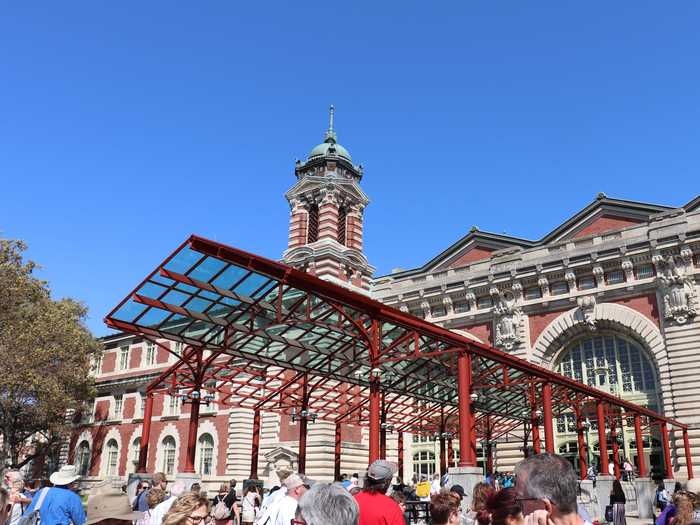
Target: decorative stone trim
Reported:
[(168, 430), (113, 434), (207, 427)]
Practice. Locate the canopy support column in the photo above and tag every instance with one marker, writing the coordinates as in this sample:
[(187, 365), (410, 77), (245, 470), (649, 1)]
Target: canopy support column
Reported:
[(688, 459), (400, 454), (615, 449), (382, 431), (145, 433), (443, 455), (336, 456), (641, 464), (602, 440), (665, 441), (534, 422), (450, 454), (255, 452), (374, 397), (548, 417), (303, 425), (192, 433), (582, 449), (466, 420)]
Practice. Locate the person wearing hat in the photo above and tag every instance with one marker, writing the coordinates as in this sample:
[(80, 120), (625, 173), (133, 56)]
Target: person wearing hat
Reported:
[(296, 485), (60, 505), (376, 508), (110, 508)]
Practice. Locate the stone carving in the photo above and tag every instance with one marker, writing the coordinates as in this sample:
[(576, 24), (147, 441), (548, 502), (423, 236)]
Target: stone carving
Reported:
[(543, 283), (404, 308), (471, 300), (329, 195), (599, 275), (628, 268), (676, 284), (508, 318), (425, 306), (570, 277), (447, 302), (586, 306)]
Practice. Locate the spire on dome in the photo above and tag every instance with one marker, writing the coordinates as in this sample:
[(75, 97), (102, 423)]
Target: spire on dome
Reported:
[(330, 134)]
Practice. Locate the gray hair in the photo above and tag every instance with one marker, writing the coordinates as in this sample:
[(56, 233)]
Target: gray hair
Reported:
[(325, 504), (548, 476), (14, 475)]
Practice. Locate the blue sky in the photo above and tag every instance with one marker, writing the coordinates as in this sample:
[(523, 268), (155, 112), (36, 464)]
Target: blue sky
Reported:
[(127, 126)]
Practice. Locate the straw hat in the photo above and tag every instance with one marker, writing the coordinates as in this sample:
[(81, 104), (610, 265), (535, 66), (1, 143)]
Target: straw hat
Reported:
[(112, 505), (65, 476)]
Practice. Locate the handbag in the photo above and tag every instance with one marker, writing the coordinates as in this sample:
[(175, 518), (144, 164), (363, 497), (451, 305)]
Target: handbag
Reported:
[(609, 513)]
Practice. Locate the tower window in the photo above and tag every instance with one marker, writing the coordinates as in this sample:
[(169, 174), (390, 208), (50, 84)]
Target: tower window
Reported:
[(342, 221), (313, 224)]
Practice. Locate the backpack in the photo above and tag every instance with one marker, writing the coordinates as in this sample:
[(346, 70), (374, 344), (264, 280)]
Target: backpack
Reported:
[(33, 518), (423, 489), (220, 510)]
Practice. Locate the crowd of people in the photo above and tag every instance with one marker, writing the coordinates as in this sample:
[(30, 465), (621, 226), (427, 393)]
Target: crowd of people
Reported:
[(542, 490)]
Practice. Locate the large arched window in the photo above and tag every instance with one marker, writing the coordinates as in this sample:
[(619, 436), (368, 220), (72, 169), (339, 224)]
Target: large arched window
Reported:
[(82, 458), (206, 454), (424, 463), (135, 450), (169, 447), (112, 458), (612, 362)]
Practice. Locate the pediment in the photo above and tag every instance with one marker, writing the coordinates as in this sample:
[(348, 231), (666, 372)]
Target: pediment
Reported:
[(476, 246), (281, 453), (312, 184)]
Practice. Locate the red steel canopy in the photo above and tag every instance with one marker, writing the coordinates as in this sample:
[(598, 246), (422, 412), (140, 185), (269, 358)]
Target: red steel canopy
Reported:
[(262, 335)]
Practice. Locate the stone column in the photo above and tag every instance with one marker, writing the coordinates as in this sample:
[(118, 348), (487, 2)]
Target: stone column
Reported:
[(603, 487), (646, 492)]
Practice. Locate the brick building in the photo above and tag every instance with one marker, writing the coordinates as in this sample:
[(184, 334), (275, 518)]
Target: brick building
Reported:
[(609, 298)]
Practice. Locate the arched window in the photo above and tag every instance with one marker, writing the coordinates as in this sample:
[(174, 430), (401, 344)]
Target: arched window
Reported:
[(206, 454), (112, 458), (611, 362), (342, 222), (83, 458), (169, 447), (312, 224), (135, 450), (424, 463)]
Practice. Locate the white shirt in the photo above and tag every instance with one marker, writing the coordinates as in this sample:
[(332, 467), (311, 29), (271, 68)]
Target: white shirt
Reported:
[(611, 469), (435, 487), (286, 512), (269, 507), (160, 510)]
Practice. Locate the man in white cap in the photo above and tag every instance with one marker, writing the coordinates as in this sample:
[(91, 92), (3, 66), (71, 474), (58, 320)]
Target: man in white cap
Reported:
[(376, 508), (59, 505), (286, 507)]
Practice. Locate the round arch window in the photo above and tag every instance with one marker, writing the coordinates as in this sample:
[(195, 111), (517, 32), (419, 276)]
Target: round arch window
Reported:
[(83, 458), (206, 454), (112, 458)]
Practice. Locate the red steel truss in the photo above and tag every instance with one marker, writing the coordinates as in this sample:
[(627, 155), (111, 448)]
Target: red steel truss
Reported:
[(261, 335)]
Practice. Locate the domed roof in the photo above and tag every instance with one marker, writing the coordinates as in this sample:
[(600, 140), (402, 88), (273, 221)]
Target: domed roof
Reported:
[(330, 146)]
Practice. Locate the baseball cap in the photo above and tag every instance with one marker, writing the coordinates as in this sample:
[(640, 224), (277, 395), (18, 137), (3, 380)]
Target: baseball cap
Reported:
[(458, 489), (295, 480), (381, 469)]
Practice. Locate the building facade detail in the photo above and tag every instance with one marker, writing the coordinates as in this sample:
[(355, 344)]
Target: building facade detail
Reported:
[(508, 316), (676, 285)]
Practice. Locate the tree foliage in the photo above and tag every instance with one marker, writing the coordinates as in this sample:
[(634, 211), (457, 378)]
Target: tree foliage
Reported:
[(46, 354)]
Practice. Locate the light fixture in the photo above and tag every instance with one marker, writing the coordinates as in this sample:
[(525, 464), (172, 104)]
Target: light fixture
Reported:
[(196, 395), (304, 414), (474, 396), (447, 435), (538, 413), (387, 427), (586, 424)]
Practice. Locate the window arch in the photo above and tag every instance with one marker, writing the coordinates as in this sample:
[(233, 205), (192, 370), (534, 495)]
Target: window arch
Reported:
[(135, 450), (169, 454), (206, 454), (424, 463), (83, 458), (112, 458)]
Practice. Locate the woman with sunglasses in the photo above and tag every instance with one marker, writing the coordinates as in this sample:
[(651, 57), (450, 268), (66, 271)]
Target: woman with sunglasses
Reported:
[(189, 509)]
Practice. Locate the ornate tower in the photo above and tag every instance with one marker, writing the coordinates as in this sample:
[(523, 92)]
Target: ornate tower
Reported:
[(325, 227)]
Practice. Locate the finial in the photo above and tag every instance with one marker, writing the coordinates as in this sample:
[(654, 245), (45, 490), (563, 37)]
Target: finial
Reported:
[(330, 134)]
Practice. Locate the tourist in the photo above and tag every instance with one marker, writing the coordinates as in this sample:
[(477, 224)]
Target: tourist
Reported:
[(144, 485), (286, 507), (5, 505), (196, 488), (355, 480), (435, 485), (111, 507), (250, 504), (618, 500), (423, 488), (458, 491), (400, 499), (268, 508), (629, 470), (224, 506), (231, 497), (189, 509), (611, 468), (160, 482), (155, 497), (444, 509), (501, 508), (592, 473), (546, 488), (661, 497), (685, 504), (376, 508), (60, 504), (325, 504), (481, 493), (157, 515), (18, 500)]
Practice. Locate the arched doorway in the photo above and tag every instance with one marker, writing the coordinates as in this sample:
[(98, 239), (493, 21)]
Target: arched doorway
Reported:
[(617, 364)]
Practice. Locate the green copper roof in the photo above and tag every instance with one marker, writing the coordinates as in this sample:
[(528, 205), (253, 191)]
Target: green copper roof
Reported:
[(330, 145)]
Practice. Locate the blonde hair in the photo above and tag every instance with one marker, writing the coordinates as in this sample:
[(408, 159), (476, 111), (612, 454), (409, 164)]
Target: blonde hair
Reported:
[(154, 497), (184, 507), (685, 503), (223, 488)]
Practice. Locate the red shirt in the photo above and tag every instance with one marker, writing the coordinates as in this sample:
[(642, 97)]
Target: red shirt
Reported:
[(378, 509)]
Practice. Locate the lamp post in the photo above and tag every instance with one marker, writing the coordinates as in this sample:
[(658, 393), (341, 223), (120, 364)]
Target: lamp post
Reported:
[(587, 427)]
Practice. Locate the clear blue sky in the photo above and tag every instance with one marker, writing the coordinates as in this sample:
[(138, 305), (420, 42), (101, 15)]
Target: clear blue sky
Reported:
[(127, 126)]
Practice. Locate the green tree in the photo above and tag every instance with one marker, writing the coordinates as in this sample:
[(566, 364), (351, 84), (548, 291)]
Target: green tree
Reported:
[(46, 354)]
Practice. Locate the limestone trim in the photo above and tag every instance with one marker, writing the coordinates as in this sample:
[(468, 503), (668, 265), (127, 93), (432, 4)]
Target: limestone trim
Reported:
[(130, 463), (113, 434), (168, 430), (207, 427), (575, 322)]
